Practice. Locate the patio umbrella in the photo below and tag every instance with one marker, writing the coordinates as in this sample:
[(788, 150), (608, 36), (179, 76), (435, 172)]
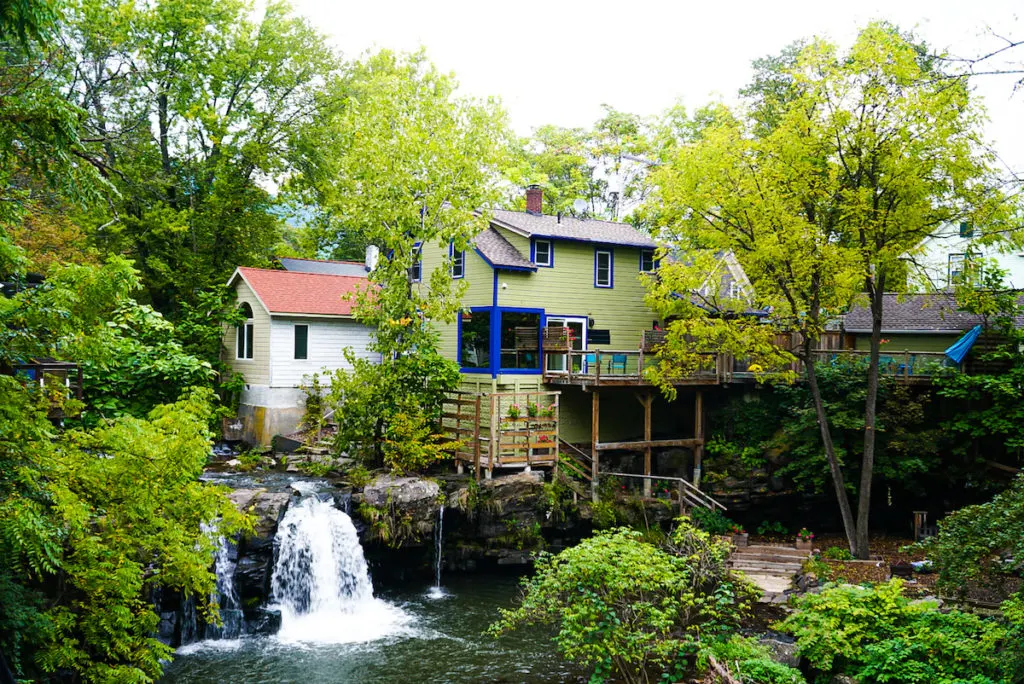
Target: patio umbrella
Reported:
[(958, 350)]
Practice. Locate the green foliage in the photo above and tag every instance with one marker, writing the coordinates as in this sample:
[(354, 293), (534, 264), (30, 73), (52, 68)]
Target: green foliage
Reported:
[(627, 608), (388, 523), (411, 444), (358, 476), (772, 527), (837, 553), (712, 520), (748, 661), (91, 523), (980, 545), (879, 635)]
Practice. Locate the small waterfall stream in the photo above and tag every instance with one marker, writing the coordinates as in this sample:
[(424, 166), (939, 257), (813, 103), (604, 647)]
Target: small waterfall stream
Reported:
[(436, 591), (233, 622), (321, 581)]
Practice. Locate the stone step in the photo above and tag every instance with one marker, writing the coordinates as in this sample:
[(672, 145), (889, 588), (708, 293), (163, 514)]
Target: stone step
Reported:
[(765, 566), (772, 550), (771, 583), (774, 557)]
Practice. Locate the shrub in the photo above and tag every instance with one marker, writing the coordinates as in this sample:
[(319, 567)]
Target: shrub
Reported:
[(628, 608), (772, 527), (748, 660), (712, 521), (878, 635), (837, 553)]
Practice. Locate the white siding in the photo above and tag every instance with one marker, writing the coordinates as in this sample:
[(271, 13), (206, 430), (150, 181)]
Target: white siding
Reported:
[(325, 348), (257, 369)]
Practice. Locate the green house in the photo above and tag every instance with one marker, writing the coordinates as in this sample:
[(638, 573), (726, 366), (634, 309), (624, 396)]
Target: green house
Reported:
[(554, 314)]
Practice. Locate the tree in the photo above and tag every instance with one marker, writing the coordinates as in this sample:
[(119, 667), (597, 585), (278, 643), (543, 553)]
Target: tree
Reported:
[(628, 608), (867, 154), (406, 163)]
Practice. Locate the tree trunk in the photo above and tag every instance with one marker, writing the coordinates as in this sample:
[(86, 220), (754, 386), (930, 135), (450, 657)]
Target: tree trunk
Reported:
[(830, 451), (867, 467), (163, 121)]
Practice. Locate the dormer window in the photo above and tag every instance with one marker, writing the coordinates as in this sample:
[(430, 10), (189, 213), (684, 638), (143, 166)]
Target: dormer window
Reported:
[(544, 253), (244, 336)]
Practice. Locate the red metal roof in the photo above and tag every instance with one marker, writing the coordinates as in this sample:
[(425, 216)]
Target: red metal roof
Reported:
[(295, 292)]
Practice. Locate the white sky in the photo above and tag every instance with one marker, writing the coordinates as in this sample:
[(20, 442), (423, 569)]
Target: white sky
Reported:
[(557, 61)]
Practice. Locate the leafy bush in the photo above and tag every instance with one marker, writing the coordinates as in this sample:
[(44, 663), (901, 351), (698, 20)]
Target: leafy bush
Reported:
[(837, 553), (628, 608), (712, 521), (748, 660), (772, 527), (878, 635)]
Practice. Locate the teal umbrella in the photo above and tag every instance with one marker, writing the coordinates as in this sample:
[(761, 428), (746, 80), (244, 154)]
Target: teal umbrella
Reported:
[(958, 350)]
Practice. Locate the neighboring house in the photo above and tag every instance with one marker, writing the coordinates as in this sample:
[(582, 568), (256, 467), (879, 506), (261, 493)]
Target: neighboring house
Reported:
[(356, 269), (915, 323), (944, 256), (297, 323)]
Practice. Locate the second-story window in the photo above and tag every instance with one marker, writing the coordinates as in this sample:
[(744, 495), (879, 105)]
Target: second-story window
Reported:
[(603, 274), (957, 262), (416, 270), (966, 229), (646, 260), (458, 262), (543, 253)]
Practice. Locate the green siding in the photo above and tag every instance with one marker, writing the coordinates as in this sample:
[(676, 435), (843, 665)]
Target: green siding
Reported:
[(899, 343), (480, 292)]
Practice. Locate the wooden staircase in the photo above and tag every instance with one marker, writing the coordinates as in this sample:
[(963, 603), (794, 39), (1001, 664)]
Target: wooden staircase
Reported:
[(772, 568)]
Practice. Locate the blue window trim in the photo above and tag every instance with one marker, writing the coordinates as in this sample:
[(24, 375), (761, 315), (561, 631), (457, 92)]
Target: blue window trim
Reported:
[(451, 255), (611, 267), (551, 252), (495, 342), (654, 262), (417, 249)]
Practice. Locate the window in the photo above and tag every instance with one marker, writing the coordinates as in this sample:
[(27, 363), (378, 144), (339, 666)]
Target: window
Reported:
[(603, 268), (416, 270), (475, 339), (458, 262), (520, 341), (957, 262), (646, 260), (301, 341), (244, 336), (735, 290), (966, 229), (544, 253)]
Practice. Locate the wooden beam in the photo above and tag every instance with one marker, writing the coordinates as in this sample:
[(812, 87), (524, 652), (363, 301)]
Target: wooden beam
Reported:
[(640, 446), (647, 400), (698, 430), (595, 413)]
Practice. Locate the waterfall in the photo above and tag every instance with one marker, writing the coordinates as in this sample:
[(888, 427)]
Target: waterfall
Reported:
[(436, 591), (321, 581), (232, 620)]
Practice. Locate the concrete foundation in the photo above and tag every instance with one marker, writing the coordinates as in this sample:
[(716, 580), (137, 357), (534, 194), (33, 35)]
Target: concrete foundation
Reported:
[(267, 411)]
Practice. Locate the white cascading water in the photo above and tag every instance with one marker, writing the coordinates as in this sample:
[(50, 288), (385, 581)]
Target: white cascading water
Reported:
[(231, 616), (321, 582), (436, 591)]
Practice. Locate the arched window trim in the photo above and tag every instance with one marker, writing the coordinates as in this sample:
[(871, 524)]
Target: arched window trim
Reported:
[(244, 334)]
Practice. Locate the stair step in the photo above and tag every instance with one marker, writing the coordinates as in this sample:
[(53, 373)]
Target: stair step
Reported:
[(775, 558), (767, 568), (772, 550)]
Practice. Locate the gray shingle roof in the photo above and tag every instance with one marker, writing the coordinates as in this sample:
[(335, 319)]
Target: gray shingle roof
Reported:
[(928, 313), (500, 252), (568, 228), (343, 268)]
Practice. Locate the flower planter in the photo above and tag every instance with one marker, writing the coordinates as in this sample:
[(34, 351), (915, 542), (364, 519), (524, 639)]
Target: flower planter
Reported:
[(741, 541), (804, 544)]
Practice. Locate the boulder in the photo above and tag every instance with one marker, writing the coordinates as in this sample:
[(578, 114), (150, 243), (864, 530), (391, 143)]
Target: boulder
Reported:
[(783, 650), (404, 492)]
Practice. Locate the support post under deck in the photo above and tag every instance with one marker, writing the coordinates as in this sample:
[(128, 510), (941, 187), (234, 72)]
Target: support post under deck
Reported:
[(595, 413), (646, 400), (698, 429)]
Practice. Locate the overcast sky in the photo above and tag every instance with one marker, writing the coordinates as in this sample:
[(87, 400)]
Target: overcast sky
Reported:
[(557, 61)]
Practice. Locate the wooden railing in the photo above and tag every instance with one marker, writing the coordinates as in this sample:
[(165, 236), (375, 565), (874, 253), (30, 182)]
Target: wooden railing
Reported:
[(906, 364), (503, 429), (689, 494), (614, 366)]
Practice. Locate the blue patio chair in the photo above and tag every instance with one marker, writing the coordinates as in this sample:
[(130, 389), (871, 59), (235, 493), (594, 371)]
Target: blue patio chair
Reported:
[(588, 361), (617, 363)]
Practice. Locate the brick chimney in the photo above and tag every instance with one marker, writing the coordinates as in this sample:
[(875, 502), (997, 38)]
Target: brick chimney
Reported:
[(534, 200)]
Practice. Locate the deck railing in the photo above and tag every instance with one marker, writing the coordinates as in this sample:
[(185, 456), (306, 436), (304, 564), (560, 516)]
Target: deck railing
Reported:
[(613, 366)]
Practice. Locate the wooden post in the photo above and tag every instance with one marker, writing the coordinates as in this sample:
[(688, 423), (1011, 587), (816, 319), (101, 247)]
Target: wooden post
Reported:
[(597, 371), (554, 415), (646, 400), (495, 407), (476, 439), (682, 505), (595, 413), (698, 429)]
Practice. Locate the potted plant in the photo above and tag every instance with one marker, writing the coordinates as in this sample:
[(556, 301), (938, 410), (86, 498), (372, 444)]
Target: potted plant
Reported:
[(740, 538), (513, 411), (532, 409), (804, 539)]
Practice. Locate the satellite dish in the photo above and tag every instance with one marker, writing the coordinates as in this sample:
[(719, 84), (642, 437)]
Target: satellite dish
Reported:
[(579, 205)]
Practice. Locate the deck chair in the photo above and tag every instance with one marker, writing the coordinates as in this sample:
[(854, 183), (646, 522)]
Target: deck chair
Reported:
[(588, 361), (617, 363)]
